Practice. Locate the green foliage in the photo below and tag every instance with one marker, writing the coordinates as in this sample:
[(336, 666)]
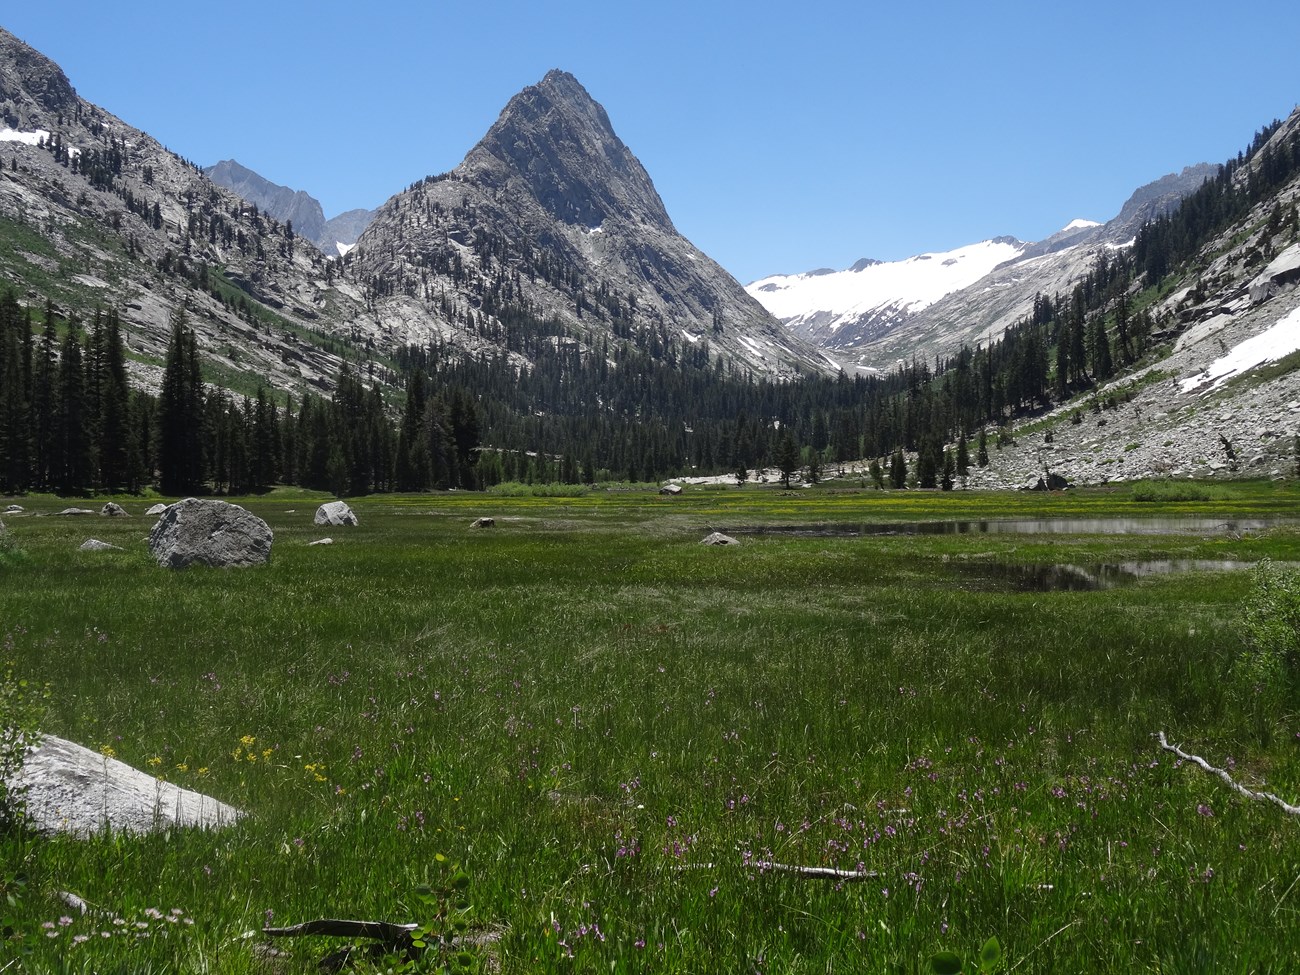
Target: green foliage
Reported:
[(22, 706), (987, 961), (1267, 671), (1174, 491), (440, 943)]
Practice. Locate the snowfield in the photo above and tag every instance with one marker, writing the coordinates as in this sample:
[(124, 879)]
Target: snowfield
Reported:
[(909, 285)]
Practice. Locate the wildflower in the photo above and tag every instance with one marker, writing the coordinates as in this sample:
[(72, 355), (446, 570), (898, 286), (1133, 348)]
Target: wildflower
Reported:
[(1203, 810)]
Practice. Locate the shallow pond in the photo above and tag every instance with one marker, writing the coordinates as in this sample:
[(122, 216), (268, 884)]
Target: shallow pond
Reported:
[(1186, 525), (1085, 578)]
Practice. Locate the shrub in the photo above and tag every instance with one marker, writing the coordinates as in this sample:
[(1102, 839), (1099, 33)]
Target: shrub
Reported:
[(22, 706), (1266, 670)]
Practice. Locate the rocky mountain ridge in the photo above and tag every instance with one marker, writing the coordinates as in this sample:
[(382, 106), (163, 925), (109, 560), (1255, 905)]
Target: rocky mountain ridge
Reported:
[(304, 211)]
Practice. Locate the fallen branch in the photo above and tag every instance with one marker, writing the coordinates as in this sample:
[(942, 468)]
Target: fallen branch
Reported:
[(384, 931), (1222, 774), (811, 873)]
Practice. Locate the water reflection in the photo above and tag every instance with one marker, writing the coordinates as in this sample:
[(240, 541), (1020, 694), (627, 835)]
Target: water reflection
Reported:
[(1193, 525), (1086, 578)]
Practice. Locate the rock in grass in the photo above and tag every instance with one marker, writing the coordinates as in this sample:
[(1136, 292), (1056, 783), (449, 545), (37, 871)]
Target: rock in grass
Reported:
[(113, 510), (483, 523), (71, 789), (321, 541), (215, 533), (156, 509), (95, 545), (717, 538), (73, 511), (335, 513), (14, 509)]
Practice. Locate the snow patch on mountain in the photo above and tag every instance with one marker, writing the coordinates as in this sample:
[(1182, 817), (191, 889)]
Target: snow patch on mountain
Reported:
[(1080, 225), (26, 138), (907, 285), (1272, 344)]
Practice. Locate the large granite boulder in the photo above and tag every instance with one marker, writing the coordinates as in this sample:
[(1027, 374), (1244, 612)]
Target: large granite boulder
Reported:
[(216, 533), (156, 509), (71, 789), (335, 513)]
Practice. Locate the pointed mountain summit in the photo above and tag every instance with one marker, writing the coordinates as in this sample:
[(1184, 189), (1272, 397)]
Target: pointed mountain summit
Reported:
[(552, 214), (558, 142)]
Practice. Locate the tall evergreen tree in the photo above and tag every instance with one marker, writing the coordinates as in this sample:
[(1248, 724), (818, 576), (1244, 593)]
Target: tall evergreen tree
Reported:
[(181, 413), (73, 443)]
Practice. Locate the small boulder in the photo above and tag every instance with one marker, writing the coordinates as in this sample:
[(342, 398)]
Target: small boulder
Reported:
[(113, 510), (483, 523), (335, 513), (717, 538), (74, 511), (71, 789), (95, 545), (14, 509), (156, 509), (215, 533), (671, 489), (321, 541)]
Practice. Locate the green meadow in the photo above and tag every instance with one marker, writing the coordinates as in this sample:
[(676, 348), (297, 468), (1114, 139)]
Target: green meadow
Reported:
[(616, 732)]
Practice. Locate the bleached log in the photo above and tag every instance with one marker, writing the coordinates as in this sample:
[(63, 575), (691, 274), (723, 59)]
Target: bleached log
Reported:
[(811, 873), (1232, 784)]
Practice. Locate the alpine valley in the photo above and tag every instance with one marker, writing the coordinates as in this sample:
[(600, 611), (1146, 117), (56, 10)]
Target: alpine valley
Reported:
[(534, 314)]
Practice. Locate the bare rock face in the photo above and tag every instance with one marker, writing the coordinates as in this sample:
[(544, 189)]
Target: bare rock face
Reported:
[(335, 513), (215, 533), (71, 789)]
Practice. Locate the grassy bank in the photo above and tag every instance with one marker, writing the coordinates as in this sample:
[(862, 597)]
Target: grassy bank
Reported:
[(609, 725)]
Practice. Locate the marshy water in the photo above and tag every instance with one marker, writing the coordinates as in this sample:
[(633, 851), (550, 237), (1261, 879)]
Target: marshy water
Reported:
[(1050, 577), (1039, 577), (1169, 525)]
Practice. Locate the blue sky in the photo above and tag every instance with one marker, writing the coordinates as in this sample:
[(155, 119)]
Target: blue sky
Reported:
[(782, 137)]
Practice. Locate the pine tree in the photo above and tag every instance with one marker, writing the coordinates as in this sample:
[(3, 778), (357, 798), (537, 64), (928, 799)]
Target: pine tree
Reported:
[(44, 384), (72, 461), (112, 405), (898, 470), (15, 396), (963, 456), (181, 418), (787, 456)]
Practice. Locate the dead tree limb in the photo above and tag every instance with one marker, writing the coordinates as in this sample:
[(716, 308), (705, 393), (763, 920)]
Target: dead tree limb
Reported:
[(396, 935), (1232, 784), (810, 873)]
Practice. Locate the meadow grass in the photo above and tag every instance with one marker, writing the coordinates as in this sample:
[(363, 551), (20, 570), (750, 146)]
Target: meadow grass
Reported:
[(611, 727)]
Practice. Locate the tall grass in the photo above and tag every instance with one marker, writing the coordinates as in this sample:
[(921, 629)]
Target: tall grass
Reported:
[(612, 728)]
